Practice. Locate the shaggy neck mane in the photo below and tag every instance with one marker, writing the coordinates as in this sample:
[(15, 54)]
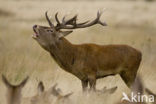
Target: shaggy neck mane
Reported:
[(63, 53)]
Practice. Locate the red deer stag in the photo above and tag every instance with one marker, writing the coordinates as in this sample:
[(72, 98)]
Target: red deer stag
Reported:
[(87, 62)]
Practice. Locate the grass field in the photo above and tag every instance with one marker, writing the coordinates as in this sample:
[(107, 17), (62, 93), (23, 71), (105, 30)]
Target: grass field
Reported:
[(131, 23)]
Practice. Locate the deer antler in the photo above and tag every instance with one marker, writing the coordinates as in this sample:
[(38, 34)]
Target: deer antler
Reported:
[(72, 22)]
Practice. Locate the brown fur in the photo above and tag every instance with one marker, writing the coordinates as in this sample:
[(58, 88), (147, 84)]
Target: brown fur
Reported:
[(89, 62)]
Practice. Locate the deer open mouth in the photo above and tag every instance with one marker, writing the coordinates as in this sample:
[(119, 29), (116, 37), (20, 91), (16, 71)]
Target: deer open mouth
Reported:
[(35, 31)]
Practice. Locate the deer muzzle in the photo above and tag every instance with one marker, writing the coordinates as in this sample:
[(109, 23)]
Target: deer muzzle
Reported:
[(35, 31)]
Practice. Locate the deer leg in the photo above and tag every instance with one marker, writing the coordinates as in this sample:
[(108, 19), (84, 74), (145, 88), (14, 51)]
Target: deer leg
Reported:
[(92, 83), (128, 77), (84, 85)]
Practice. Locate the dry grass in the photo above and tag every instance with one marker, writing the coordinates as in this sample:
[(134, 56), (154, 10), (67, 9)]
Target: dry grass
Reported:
[(131, 23), (5, 13)]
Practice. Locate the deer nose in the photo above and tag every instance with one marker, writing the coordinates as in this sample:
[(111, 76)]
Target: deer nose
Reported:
[(35, 26)]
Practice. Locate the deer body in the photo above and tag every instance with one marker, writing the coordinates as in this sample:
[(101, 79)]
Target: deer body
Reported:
[(87, 62), (98, 61)]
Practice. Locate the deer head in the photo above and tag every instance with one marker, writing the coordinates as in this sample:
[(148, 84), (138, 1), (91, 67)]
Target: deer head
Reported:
[(14, 91), (52, 95), (47, 36)]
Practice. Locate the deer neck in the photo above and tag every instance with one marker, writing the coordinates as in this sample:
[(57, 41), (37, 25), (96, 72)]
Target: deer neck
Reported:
[(63, 53)]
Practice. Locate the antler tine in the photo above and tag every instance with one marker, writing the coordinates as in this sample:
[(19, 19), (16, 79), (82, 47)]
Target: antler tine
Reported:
[(63, 20), (99, 13), (83, 23), (57, 20), (71, 21), (50, 23)]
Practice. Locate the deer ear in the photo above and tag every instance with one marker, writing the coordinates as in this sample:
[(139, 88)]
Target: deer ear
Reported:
[(54, 90), (64, 33), (6, 81), (40, 87), (23, 82)]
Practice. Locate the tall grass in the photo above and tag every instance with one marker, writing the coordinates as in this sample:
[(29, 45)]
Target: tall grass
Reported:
[(20, 56)]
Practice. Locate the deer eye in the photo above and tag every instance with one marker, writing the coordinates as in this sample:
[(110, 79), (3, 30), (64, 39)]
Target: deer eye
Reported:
[(50, 31)]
